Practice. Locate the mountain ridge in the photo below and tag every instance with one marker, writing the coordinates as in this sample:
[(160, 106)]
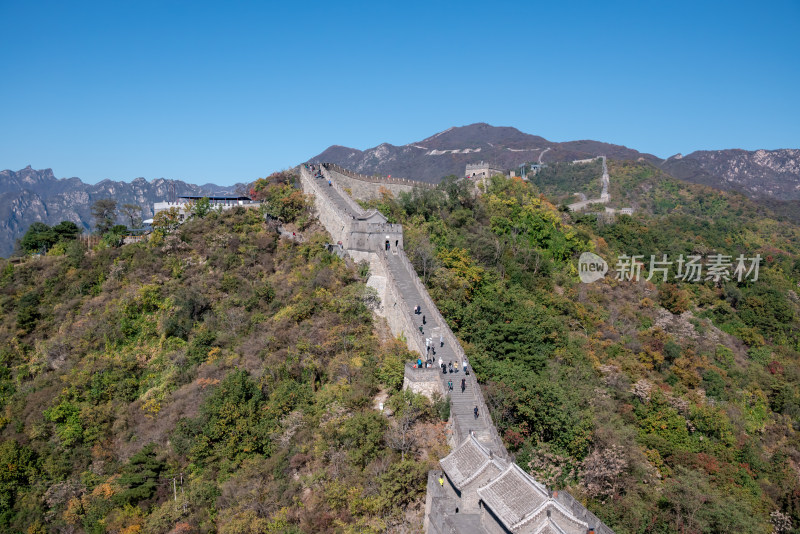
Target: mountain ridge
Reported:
[(448, 152), (773, 175), (30, 195)]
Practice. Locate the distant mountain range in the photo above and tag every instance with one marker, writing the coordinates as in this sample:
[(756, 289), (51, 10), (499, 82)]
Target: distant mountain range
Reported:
[(30, 195), (771, 174)]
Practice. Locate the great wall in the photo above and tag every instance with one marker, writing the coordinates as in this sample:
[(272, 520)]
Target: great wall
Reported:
[(479, 489)]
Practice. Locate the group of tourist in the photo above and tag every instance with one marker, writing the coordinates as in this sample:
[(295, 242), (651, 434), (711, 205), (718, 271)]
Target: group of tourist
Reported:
[(430, 351), (450, 368), (316, 172)]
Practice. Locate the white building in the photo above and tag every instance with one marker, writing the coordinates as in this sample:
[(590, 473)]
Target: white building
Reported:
[(184, 205)]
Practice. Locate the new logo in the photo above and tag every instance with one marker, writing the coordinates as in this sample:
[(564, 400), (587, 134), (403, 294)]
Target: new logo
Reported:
[(591, 267)]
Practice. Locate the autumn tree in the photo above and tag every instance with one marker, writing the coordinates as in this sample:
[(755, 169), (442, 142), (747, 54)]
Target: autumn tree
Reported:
[(166, 221)]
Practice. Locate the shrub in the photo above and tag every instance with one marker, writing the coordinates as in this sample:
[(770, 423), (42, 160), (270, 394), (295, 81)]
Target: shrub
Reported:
[(673, 298), (28, 312)]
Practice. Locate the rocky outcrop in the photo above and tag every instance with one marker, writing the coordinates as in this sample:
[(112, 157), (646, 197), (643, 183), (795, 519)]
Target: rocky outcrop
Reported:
[(758, 174)]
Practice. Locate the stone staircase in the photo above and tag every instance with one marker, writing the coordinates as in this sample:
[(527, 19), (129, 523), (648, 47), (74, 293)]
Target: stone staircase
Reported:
[(401, 273), (462, 404)]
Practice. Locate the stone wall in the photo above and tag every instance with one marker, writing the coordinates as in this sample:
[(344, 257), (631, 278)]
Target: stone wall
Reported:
[(393, 307), (364, 242), (331, 218), (423, 381), (364, 187), (349, 223), (372, 237), (362, 235)]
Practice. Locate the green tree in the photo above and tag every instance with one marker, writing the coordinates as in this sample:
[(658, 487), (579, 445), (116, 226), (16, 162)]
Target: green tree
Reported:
[(402, 483), (39, 237), (18, 464), (67, 230), (104, 211), (115, 235), (281, 199), (201, 208), (28, 312), (140, 476)]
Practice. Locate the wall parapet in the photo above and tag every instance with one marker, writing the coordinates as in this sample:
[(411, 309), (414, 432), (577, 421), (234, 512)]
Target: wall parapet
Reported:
[(374, 178)]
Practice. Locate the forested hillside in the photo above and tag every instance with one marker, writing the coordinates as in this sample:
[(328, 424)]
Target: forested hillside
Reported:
[(222, 378), (664, 406), (219, 378)]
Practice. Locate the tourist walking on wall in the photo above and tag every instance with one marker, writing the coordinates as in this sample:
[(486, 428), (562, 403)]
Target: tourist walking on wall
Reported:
[(463, 384), (441, 340), (475, 411), (450, 385)]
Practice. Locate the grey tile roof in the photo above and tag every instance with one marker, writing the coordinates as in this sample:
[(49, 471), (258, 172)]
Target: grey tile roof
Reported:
[(468, 461), (524, 505), (548, 527), (553, 516)]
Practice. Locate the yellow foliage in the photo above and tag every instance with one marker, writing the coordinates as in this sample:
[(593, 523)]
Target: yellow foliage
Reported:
[(213, 355), (104, 490), (651, 359), (72, 515), (151, 407), (684, 369)]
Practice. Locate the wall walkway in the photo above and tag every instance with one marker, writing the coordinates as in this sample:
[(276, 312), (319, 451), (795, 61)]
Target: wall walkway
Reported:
[(348, 223)]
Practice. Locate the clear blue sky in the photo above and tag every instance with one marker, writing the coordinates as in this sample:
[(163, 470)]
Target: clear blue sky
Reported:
[(230, 91)]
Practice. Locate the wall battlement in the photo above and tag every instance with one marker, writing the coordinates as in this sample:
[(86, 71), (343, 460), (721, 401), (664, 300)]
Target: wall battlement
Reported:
[(366, 187)]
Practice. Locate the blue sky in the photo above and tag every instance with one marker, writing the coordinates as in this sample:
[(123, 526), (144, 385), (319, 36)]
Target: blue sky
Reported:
[(230, 91)]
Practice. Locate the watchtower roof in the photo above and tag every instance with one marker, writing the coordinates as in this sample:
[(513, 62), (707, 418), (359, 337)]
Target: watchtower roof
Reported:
[(524, 505), (466, 462)]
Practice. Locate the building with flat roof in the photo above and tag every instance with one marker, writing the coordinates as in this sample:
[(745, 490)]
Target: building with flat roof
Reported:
[(184, 204)]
